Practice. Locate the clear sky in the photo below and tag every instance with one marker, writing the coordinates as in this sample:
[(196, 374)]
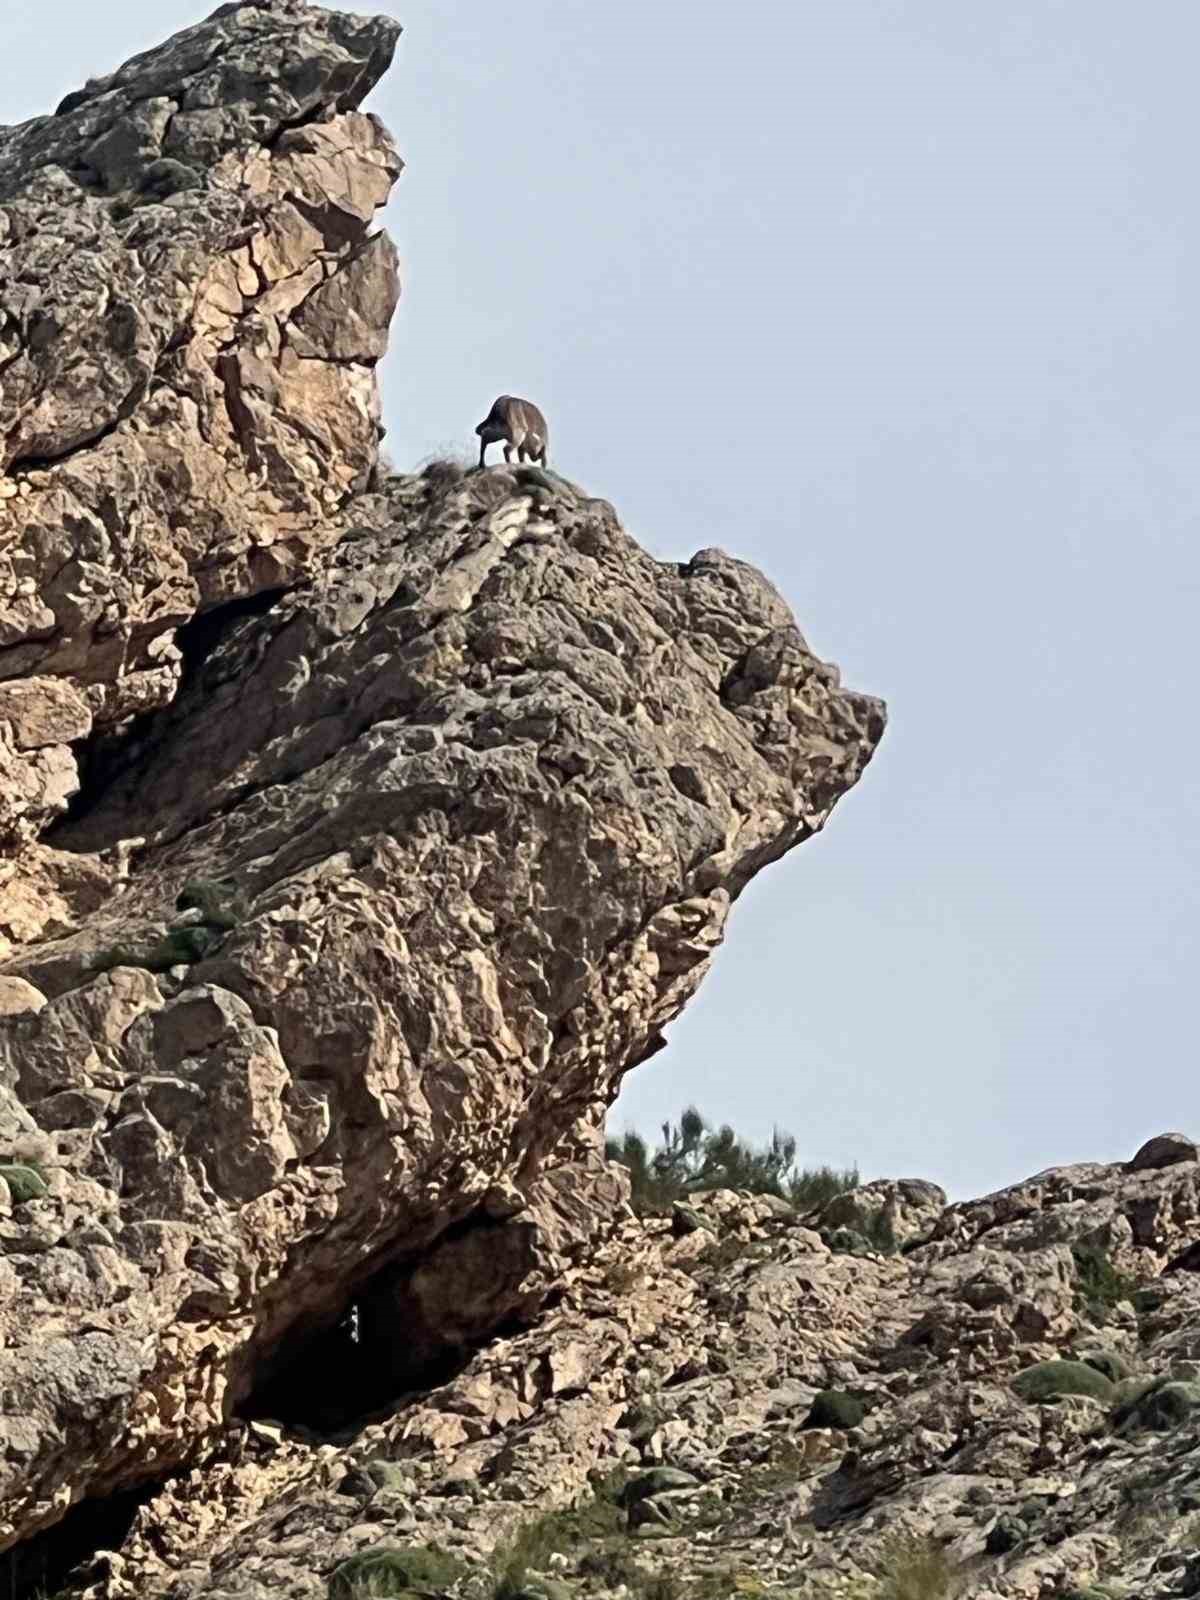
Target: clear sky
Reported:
[(897, 299)]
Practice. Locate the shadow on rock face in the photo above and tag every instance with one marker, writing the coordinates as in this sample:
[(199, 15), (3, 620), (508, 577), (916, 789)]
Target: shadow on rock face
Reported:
[(43, 1564), (408, 1329)]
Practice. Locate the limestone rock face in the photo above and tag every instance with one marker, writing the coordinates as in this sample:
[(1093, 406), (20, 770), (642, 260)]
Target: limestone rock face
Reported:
[(402, 815), (185, 401)]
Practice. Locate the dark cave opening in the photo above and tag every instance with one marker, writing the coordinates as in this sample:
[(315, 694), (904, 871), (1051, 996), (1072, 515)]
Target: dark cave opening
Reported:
[(333, 1380), (112, 752), (58, 1558), (198, 638), (408, 1328)]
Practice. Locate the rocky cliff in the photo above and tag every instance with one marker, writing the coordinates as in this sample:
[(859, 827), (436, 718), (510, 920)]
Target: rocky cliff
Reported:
[(359, 832)]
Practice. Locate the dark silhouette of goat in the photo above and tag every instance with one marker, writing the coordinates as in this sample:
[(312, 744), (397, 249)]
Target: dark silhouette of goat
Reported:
[(521, 426)]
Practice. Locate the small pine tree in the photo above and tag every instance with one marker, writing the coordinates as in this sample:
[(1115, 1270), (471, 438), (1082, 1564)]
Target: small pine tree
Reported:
[(694, 1156)]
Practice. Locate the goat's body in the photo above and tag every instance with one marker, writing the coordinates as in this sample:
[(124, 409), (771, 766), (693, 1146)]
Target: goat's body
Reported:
[(520, 425)]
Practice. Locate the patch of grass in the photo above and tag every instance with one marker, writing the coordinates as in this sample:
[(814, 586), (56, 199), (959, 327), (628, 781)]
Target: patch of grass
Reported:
[(1143, 1527), (1145, 1511), (784, 1465), (1098, 1285), (614, 1567), (388, 1572), (563, 1532), (727, 1583), (912, 1568)]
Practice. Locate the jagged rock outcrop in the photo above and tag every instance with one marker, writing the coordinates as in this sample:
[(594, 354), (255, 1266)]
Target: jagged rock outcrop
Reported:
[(437, 798), (192, 304)]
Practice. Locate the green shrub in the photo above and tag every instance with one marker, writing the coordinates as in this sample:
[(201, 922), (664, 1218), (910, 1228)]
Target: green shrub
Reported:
[(386, 1572), (530, 1547), (693, 1156), (1098, 1285), (814, 1187), (833, 1408), (615, 1567), (1050, 1380), (25, 1182)]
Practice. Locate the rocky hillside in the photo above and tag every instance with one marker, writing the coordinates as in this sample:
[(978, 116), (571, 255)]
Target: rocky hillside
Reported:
[(739, 1400), (357, 832)]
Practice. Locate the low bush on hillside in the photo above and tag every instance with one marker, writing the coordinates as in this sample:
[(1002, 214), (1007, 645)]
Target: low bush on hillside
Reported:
[(914, 1568), (1051, 1380), (693, 1155), (386, 1572)]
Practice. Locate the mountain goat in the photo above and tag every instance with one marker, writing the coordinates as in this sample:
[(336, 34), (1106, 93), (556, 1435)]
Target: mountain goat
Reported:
[(521, 426)]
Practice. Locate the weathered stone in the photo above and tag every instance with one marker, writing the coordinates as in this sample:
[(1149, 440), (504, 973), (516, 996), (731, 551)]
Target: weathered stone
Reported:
[(899, 1209), (18, 998), (1165, 1150)]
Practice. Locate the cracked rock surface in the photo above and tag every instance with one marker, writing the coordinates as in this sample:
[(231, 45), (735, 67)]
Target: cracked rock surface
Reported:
[(405, 813)]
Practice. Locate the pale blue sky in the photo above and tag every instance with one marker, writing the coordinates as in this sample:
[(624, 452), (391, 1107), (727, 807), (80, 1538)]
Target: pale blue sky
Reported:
[(895, 298)]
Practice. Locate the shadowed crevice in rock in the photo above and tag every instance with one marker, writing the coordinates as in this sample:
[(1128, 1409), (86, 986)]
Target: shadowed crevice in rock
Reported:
[(110, 756), (42, 1565), (333, 1380), (410, 1327)]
